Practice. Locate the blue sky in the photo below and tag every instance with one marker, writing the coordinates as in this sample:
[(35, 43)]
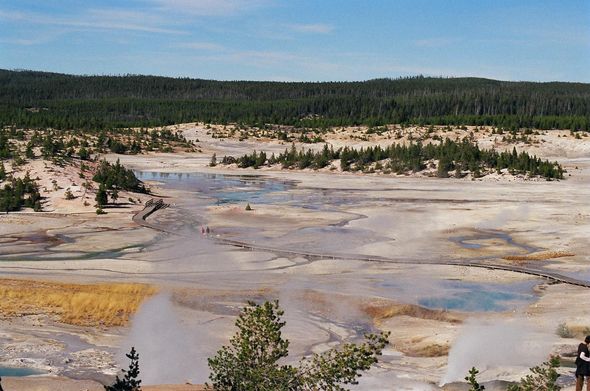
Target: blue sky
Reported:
[(302, 40)]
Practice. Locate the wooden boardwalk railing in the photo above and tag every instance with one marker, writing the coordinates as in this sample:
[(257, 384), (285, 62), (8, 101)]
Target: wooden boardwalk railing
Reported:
[(152, 206)]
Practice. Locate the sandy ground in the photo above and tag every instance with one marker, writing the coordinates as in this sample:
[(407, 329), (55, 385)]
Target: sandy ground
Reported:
[(400, 218), (65, 384)]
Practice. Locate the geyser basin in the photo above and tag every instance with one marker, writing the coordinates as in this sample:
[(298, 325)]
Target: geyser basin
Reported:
[(226, 189), (481, 297)]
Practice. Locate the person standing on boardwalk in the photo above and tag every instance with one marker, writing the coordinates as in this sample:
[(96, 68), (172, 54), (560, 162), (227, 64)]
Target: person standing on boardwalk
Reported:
[(583, 365)]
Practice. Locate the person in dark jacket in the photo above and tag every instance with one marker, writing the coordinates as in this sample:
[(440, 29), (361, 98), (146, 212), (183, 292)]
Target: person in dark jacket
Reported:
[(583, 365)]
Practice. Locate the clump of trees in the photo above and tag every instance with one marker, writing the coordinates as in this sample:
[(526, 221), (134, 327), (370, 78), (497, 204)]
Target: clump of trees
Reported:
[(18, 193), (116, 177), (113, 178), (457, 156)]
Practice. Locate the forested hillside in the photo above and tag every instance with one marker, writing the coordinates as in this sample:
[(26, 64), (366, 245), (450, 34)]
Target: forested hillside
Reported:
[(39, 99)]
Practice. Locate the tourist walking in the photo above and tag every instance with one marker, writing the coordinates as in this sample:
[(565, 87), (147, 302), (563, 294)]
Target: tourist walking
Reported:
[(583, 365)]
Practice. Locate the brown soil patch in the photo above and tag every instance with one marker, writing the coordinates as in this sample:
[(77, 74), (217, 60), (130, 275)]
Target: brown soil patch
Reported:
[(540, 256), (85, 305)]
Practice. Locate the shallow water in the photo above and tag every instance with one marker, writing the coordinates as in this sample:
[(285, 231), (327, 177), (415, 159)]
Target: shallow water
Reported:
[(471, 241), (225, 189), (481, 297), (19, 372)]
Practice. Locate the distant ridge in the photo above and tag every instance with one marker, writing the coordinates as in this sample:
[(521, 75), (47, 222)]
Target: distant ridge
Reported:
[(134, 100)]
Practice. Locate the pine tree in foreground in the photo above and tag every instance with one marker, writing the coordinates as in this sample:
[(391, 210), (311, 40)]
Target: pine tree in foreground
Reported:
[(543, 378), (251, 360), (129, 382), (472, 380)]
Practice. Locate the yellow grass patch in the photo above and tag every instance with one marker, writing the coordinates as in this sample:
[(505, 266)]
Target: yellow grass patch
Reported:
[(579, 331), (379, 312), (540, 256), (104, 304)]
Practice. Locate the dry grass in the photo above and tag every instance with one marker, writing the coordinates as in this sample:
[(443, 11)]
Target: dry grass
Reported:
[(429, 350), (76, 304), (381, 311), (579, 331), (421, 347), (540, 256)]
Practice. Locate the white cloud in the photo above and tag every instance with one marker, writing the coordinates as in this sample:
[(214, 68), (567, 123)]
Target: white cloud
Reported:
[(316, 28), (200, 46), (105, 19), (209, 7), (434, 42), (25, 41)]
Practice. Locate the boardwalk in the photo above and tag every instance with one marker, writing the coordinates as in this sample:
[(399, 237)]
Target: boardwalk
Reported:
[(153, 206)]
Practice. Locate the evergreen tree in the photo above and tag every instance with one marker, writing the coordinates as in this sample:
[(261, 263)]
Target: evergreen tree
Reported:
[(29, 151), (69, 195), (472, 380), (543, 378), (251, 361), (129, 382), (444, 166), (83, 153), (101, 196), (114, 195)]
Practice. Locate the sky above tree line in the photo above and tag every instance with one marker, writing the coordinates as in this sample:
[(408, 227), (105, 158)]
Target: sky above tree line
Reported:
[(300, 40)]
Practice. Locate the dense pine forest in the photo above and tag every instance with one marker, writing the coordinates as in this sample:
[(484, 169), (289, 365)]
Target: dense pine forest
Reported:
[(39, 99), (460, 158)]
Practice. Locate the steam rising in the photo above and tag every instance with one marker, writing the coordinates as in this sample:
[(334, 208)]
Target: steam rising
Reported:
[(504, 216), (169, 352), (506, 343)]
